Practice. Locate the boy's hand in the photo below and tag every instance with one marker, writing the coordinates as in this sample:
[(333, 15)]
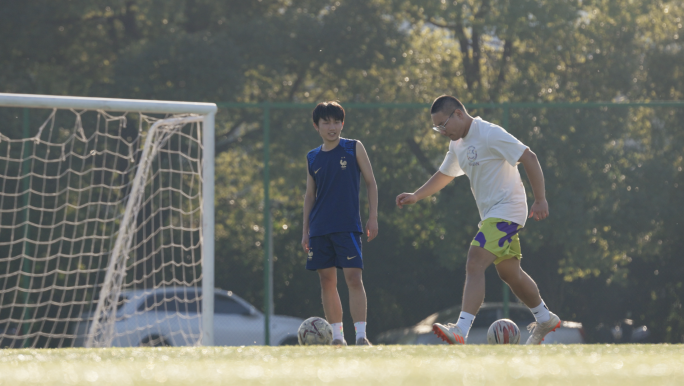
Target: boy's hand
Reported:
[(371, 228), (305, 242), (406, 199), (539, 210)]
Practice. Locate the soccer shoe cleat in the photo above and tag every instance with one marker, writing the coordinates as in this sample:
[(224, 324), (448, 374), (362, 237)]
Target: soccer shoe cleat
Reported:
[(450, 333), (363, 342), (541, 329), (339, 342)]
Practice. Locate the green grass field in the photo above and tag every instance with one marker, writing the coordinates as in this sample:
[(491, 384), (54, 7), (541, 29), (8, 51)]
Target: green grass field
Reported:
[(577, 365)]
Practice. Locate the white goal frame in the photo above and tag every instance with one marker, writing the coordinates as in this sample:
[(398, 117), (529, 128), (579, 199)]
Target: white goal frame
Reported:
[(207, 111)]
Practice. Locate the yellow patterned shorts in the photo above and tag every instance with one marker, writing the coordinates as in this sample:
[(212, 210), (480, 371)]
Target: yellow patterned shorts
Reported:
[(499, 237)]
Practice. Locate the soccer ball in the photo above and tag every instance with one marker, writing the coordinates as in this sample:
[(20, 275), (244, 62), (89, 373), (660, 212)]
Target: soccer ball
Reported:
[(315, 330), (503, 331)]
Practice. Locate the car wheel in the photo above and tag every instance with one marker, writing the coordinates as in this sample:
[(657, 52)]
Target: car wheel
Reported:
[(154, 341), (290, 341)]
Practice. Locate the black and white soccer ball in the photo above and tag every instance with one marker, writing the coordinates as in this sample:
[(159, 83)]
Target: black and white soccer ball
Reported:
[(503, 331), (315, 331)]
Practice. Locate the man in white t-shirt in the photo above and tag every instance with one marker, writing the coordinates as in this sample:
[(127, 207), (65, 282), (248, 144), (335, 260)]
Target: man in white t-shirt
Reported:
[(489, 155)]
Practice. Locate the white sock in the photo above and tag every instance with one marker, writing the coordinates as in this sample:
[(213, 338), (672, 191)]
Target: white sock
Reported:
[(541, 313), (465, 320), (338, 333), (360, 328)]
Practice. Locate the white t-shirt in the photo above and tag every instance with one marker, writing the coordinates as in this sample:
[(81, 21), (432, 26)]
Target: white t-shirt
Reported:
[(488, 155)]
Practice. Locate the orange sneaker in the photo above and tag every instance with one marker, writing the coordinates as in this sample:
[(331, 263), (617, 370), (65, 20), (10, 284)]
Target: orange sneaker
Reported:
[(450, 333)]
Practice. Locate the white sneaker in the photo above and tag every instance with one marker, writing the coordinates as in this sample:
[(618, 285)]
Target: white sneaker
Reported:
[(450, 333), (541, 329)]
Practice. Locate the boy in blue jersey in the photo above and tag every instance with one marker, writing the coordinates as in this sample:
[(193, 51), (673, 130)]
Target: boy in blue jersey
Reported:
[(332, 221)]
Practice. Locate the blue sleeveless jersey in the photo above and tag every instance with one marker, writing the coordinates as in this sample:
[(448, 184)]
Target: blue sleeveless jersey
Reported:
[(337, 176)]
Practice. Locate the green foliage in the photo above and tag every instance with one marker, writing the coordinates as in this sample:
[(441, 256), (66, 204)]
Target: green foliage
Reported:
[(613, 175)]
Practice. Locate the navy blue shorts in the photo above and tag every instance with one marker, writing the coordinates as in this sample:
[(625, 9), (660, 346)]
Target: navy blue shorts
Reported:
[(341, 250)]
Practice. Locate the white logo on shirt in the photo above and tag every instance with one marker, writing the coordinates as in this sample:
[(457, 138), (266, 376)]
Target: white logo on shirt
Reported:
[(343, 163), (471, 153)]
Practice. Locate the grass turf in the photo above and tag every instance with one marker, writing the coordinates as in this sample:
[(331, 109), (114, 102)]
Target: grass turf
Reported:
[(379, 365)]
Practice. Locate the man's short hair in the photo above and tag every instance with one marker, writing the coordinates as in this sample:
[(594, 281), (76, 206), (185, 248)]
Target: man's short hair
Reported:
[(328, 110), (446, 104)]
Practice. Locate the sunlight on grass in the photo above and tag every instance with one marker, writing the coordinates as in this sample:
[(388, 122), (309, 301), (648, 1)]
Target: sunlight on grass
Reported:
[(380, 365)]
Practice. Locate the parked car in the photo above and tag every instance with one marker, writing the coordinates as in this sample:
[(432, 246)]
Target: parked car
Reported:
[(171, 317), (623, 331), (421, 333)]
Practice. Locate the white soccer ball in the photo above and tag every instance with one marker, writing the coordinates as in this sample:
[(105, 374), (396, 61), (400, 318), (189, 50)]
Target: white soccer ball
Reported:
[(315, 330), (503, 331)]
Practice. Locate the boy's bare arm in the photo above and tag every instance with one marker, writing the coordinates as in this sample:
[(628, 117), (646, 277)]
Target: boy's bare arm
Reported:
[(436, 183), (540, 208), (309, 200), (372, 188)]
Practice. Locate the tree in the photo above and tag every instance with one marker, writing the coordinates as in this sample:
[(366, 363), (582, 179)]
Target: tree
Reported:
[(604, 234)]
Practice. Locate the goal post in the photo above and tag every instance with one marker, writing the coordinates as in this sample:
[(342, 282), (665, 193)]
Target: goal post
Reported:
[(116, 222)]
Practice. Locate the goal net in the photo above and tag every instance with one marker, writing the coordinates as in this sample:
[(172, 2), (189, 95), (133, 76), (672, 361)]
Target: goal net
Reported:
[(106, 222)]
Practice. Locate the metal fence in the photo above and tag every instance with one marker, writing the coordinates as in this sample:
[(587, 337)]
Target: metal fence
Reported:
[(591, 152), (537, 124)]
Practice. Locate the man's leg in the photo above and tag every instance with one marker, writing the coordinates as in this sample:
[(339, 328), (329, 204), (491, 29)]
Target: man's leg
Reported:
[(474, 290), (520, 282), (473, 296), (527, 291)]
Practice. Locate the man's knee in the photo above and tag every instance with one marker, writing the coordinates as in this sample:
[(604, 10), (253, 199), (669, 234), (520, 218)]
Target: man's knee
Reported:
[(509, 271), (478, 261), (506, 276)]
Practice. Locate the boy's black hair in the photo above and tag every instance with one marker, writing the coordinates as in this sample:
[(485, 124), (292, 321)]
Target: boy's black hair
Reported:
[(328, 110), (446, 104)]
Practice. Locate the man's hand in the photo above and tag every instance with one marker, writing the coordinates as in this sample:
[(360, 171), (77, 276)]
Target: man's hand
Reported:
[(371, 228), (305, 242), (406, 199), (539, 210)]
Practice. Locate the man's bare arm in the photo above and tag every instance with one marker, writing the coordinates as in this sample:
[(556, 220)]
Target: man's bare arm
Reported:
[(540, 208), (436, 183)]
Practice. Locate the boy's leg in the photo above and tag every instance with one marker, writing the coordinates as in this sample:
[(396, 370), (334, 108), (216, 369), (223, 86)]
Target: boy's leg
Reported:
[(357, 294), (357, 303), (349, 257), (321, 258), (332, 306)]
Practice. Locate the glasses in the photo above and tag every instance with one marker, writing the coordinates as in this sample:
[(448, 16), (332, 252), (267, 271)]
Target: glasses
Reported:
[(442, 128)]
